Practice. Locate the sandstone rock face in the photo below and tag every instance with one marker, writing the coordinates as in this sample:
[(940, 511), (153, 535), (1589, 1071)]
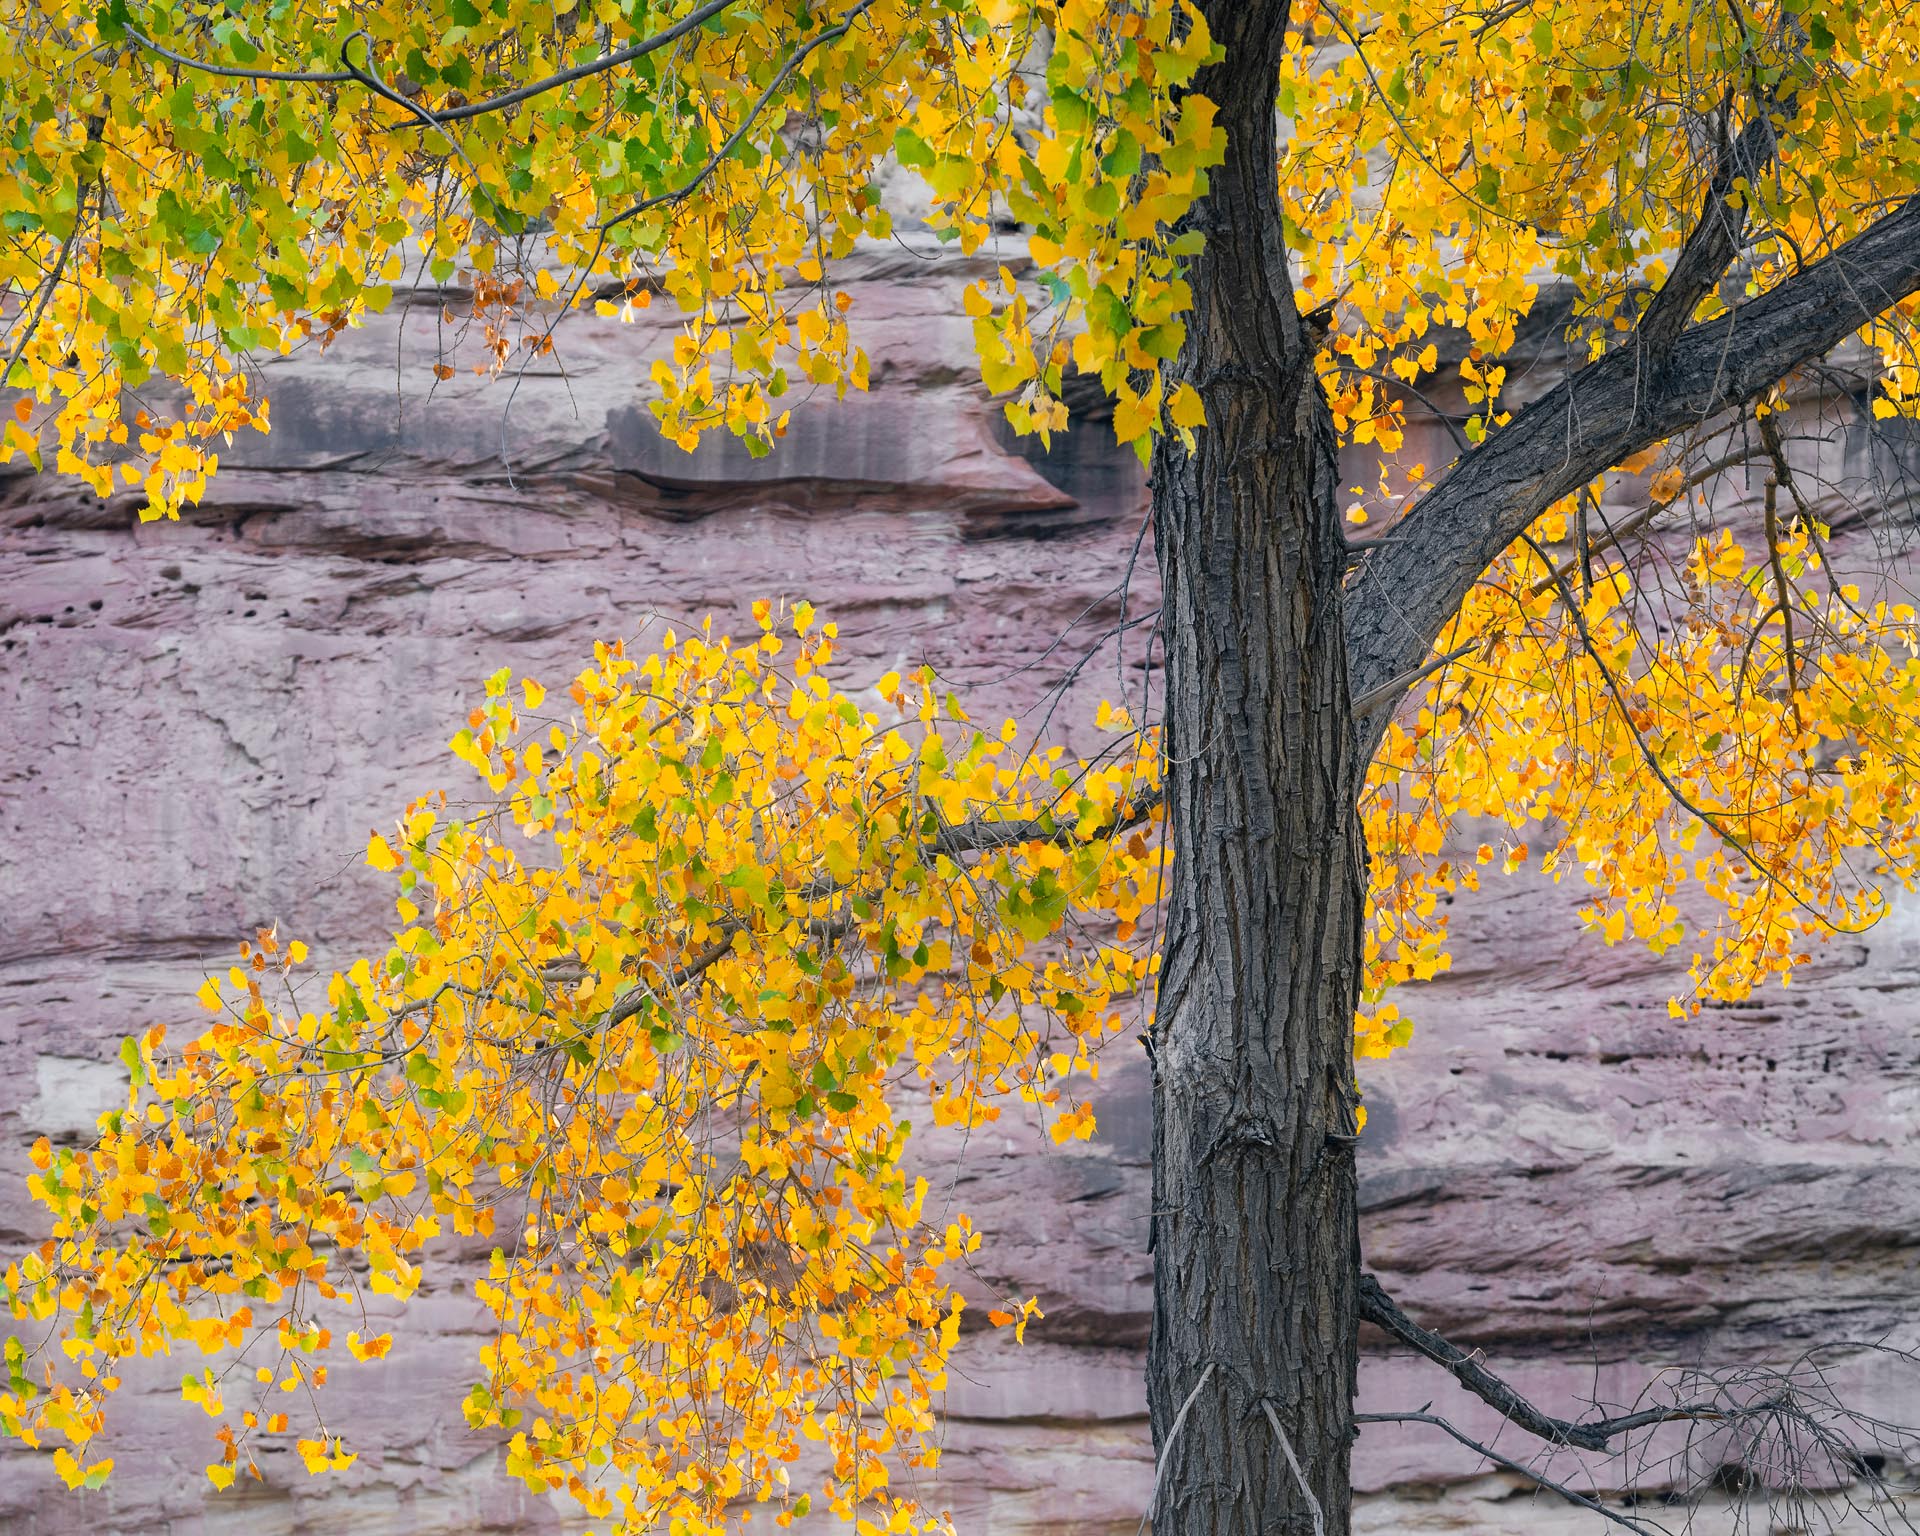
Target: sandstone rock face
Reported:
[(205, 720)]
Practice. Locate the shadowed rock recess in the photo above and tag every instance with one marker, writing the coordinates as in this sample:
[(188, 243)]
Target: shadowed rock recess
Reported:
[(205, 720)]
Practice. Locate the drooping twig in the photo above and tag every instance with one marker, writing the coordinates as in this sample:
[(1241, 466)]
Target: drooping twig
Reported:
[(699, 177), (1785, 604), (1652, 759), (1572, 1496), (1378, 1308), (95, 127)]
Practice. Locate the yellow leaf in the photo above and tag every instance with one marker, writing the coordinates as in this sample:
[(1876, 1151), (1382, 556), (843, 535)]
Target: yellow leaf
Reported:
[(380, 855)]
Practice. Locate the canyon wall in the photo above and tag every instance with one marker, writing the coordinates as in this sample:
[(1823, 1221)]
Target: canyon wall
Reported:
[(204, 720)]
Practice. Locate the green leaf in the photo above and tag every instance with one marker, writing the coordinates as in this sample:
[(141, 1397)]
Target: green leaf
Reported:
[(951, 175), (911, 149), (1070, 111), (113, 19)]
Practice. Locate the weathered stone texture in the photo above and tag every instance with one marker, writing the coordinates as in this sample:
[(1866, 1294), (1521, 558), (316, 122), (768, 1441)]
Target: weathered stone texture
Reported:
[(203, 722)]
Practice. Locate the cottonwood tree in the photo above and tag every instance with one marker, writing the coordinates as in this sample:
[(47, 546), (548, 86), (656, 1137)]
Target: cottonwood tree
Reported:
[(665, 1063)]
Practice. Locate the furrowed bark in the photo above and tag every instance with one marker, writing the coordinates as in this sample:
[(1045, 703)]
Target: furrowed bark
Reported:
[(1414, 579), (1251, 1368)]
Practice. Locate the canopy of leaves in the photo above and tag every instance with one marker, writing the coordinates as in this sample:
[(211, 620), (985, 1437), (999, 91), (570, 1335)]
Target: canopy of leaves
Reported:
[(183, 184), (663, 1063), (659, 1061)]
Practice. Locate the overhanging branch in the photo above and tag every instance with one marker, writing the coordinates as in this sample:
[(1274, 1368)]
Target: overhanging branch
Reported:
[(1402, 594), (691, 22), (955, 839)]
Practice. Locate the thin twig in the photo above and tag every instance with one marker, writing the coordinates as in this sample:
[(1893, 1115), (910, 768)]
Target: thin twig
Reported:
[(1286, 1449), (1581, 1499), (1166, 1451), (231, 72), (691, 22), (794, 61), (1650, 757), (95, 126)]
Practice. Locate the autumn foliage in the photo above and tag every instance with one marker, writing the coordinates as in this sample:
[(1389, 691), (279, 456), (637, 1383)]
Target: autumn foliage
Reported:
[(663, 999), (650, 1031), (668, 997), (184, 188)]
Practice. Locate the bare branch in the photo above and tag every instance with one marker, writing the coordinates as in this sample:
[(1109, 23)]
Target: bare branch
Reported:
[(1378, 1308), (1533, 1476), (1393, 687)]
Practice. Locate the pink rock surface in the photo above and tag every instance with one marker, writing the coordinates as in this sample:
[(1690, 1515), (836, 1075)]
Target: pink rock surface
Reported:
[(205, 720)]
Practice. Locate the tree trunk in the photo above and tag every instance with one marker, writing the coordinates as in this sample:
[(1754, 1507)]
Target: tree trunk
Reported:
[(1251, 1371)]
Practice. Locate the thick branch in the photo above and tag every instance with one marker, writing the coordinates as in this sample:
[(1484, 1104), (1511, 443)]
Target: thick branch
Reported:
[(1378, 1308), (1715, 240), (1403, 593)]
